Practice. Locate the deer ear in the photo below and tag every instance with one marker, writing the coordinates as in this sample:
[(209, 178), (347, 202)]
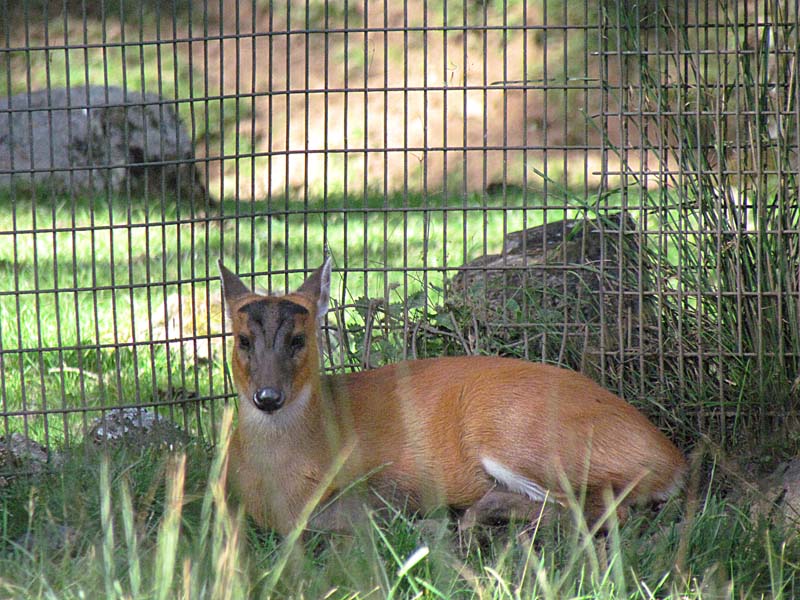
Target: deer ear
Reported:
[(318, 287), (233, 288)]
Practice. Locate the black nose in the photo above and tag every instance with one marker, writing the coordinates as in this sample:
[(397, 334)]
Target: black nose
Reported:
[(268, 399)]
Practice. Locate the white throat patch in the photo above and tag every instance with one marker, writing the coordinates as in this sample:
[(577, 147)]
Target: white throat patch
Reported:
[(283, 418)]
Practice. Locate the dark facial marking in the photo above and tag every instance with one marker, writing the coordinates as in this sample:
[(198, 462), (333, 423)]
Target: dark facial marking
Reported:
[(259, 311), (289, 309), (261, 314)]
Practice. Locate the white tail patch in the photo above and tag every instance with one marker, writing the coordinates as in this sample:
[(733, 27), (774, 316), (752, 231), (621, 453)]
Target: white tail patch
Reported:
[(515, 483)]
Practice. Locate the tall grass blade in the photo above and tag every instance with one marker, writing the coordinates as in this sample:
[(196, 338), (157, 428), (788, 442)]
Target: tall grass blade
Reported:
[(169, 531), (131, 542), (107, 526), (226, 557), (216, 477)]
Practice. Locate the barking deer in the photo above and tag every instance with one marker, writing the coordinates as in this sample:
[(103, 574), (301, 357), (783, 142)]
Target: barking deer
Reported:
[(473, 433)]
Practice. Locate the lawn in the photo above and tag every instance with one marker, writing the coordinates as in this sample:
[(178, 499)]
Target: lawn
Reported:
[(114, 301), (103, 302), (84, 281), (135, 522)]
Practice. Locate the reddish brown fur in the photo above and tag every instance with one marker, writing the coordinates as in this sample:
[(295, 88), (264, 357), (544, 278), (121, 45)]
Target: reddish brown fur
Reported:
[(423, 427)]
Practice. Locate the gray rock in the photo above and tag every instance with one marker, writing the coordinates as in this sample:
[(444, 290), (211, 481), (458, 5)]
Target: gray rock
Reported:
[(18, 451), (138, 426), (96, 139), (570, 283), (570, 258)]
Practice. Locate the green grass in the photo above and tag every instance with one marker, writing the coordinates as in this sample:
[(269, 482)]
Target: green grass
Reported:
[(152, 523), (146, 523), (84, 281)]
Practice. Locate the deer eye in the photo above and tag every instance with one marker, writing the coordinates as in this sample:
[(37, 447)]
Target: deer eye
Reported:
[(244, 342), (298, 343)]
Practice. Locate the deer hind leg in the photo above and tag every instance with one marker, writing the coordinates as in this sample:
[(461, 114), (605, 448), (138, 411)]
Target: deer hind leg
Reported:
[(599, 507), (500, 506), (515, 498)]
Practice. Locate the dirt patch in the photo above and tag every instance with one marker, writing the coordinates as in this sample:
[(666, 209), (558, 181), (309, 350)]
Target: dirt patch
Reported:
[(396, 102)]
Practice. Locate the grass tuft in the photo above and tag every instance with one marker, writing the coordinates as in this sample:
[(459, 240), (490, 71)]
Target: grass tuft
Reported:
[(154, 524)]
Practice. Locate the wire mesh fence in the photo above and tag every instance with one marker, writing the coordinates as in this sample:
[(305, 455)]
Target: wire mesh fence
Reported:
[(607, 186)]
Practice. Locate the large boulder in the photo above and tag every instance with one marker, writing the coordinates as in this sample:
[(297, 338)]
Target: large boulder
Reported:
[(568, 290), (96, 139)]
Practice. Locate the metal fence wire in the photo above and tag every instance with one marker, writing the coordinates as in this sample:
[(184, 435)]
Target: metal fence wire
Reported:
[(607, 186)]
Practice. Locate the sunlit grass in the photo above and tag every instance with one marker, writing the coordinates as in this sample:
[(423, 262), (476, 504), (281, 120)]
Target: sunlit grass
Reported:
[(103, 301), (84, 283), (133, 522)]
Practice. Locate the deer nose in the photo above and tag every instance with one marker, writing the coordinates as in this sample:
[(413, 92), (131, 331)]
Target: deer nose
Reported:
[(268, 399)]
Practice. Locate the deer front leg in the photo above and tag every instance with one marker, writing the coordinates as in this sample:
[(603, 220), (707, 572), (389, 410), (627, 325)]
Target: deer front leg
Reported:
[(342, 514)]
